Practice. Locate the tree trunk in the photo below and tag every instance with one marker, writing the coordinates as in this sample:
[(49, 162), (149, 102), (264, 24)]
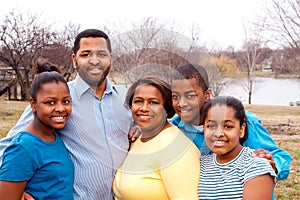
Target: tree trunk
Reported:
[(9, 94), (15, 91), (250, 91)]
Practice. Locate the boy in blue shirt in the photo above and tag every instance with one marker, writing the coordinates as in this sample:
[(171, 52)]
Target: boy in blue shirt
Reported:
[(190, 92)]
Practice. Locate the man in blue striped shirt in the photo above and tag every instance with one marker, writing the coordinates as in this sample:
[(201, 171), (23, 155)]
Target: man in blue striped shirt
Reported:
[(96, 133)]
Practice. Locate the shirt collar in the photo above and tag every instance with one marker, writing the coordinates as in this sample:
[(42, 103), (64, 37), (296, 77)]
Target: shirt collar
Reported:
[(80, 87), (187, 127), (109, 87)]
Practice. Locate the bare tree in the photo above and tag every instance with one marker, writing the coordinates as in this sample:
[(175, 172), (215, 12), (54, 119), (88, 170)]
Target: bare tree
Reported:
[(281, 25), (216, 81), (21, 38), (24, 39), (152, 48), (282, 22), (145, 44), (249, 59), (61, 50)]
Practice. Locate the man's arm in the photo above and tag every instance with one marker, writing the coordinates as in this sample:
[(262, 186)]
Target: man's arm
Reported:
[(259, 138), (25, 118), (134, 133)]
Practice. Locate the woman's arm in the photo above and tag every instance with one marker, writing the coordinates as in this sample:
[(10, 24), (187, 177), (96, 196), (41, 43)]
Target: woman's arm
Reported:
[(12, 190), (260, 187)]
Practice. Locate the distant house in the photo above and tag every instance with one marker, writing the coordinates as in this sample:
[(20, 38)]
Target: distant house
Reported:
[(266, 65)]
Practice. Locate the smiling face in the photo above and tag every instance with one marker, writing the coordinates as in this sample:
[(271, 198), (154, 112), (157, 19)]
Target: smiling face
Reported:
[(148, 109), (222, 132), (188, 100), (53, 106), (92, 60)]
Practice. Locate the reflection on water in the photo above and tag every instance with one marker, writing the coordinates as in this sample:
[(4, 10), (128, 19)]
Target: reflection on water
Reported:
[(266, 91)]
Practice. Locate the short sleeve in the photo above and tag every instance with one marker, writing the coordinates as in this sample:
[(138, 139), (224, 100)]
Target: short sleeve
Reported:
[(17, 164), (259, 167)]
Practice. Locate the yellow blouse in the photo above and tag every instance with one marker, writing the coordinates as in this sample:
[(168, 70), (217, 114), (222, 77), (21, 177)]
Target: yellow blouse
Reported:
[(165, 167)]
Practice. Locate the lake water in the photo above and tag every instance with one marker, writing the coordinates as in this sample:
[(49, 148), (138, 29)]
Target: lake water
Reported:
[(267, 91)]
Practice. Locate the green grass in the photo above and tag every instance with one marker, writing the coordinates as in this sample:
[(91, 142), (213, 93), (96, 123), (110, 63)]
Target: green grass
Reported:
[(10, 111), (288, 189)]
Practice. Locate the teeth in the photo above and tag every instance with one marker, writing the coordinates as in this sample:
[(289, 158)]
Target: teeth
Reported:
[(145, 117), (219, 142), (59, 117)]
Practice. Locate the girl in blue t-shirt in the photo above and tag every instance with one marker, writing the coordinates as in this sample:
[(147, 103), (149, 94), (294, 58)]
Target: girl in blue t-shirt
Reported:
[(230, 172), (37, 161)]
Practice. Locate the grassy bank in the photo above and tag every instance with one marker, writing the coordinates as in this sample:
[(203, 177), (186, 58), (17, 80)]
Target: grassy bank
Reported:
[(279, 120), (288, 189), (10, 111)]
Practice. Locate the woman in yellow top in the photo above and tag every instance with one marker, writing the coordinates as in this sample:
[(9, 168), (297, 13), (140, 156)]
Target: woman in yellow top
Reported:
[(162, 163)]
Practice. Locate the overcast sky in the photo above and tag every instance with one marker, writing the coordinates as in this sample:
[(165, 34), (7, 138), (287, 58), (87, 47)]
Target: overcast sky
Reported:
[(220, 21)]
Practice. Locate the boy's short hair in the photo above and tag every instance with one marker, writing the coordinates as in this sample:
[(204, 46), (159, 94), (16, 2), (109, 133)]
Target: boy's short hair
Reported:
[(189, 71)]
